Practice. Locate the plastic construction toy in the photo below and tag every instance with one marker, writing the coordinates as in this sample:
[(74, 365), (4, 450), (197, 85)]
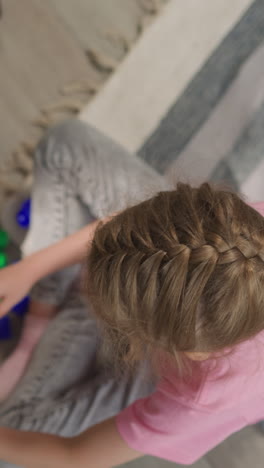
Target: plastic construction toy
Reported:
[(5, 328), (23, 215), (20, 308), (3, 260), (4, 242)]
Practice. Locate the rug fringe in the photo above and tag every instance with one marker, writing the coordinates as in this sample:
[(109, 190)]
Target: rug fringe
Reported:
[(79, 87), (151, 7), (101, 62), (16, 176), (118, 41)]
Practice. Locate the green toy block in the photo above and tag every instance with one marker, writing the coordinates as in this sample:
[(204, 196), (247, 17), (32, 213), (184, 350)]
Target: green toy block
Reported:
[(4, 239), (3, 260)]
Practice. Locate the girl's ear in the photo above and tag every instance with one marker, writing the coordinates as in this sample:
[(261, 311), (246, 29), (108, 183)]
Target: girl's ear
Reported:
[(198, 356)]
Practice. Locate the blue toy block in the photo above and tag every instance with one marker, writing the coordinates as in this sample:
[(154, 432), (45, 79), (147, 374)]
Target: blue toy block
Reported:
[(23, 219), (22, 307), (5, 328), (23, 215), (19, 309)]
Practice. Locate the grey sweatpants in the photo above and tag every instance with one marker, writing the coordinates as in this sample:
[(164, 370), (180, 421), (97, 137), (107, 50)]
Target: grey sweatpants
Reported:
[(79, 175)]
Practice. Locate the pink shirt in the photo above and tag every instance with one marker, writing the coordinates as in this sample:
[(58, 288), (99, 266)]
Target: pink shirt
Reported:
[(181, 422)]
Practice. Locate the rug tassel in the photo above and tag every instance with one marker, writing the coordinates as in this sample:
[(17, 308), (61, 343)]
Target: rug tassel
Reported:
[(100, 61), (18, 174), (79, 87), (151, 7), (120, 41)]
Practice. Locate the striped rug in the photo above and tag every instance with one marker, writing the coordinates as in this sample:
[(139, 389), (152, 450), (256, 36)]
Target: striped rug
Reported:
[(190, 97)]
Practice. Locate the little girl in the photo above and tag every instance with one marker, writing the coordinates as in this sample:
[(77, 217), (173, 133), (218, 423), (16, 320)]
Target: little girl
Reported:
[(174, 284)]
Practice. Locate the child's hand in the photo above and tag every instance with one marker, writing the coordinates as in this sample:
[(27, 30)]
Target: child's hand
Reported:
[(15, 283)]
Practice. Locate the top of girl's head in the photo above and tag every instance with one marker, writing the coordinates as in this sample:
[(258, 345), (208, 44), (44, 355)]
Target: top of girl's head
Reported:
[(182, 271)]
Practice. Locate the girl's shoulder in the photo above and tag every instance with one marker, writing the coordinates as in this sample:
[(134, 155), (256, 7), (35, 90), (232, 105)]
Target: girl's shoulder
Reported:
[(258, 206)]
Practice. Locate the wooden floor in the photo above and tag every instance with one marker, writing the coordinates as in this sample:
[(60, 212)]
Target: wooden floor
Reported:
[(43, 47)]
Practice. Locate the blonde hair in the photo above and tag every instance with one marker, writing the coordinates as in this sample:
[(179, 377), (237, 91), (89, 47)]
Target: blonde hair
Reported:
[(182, 271)]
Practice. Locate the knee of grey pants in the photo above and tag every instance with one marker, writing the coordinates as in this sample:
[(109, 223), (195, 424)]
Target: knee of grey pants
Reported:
[(79, 175)]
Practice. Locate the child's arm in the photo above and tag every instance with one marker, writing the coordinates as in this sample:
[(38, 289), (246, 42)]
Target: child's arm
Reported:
[(70, 250), (17, 280), (99, 447)]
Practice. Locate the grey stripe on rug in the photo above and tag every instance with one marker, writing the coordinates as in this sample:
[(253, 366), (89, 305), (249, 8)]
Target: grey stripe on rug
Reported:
[(194, 106), (247, 153), (228, 120)]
